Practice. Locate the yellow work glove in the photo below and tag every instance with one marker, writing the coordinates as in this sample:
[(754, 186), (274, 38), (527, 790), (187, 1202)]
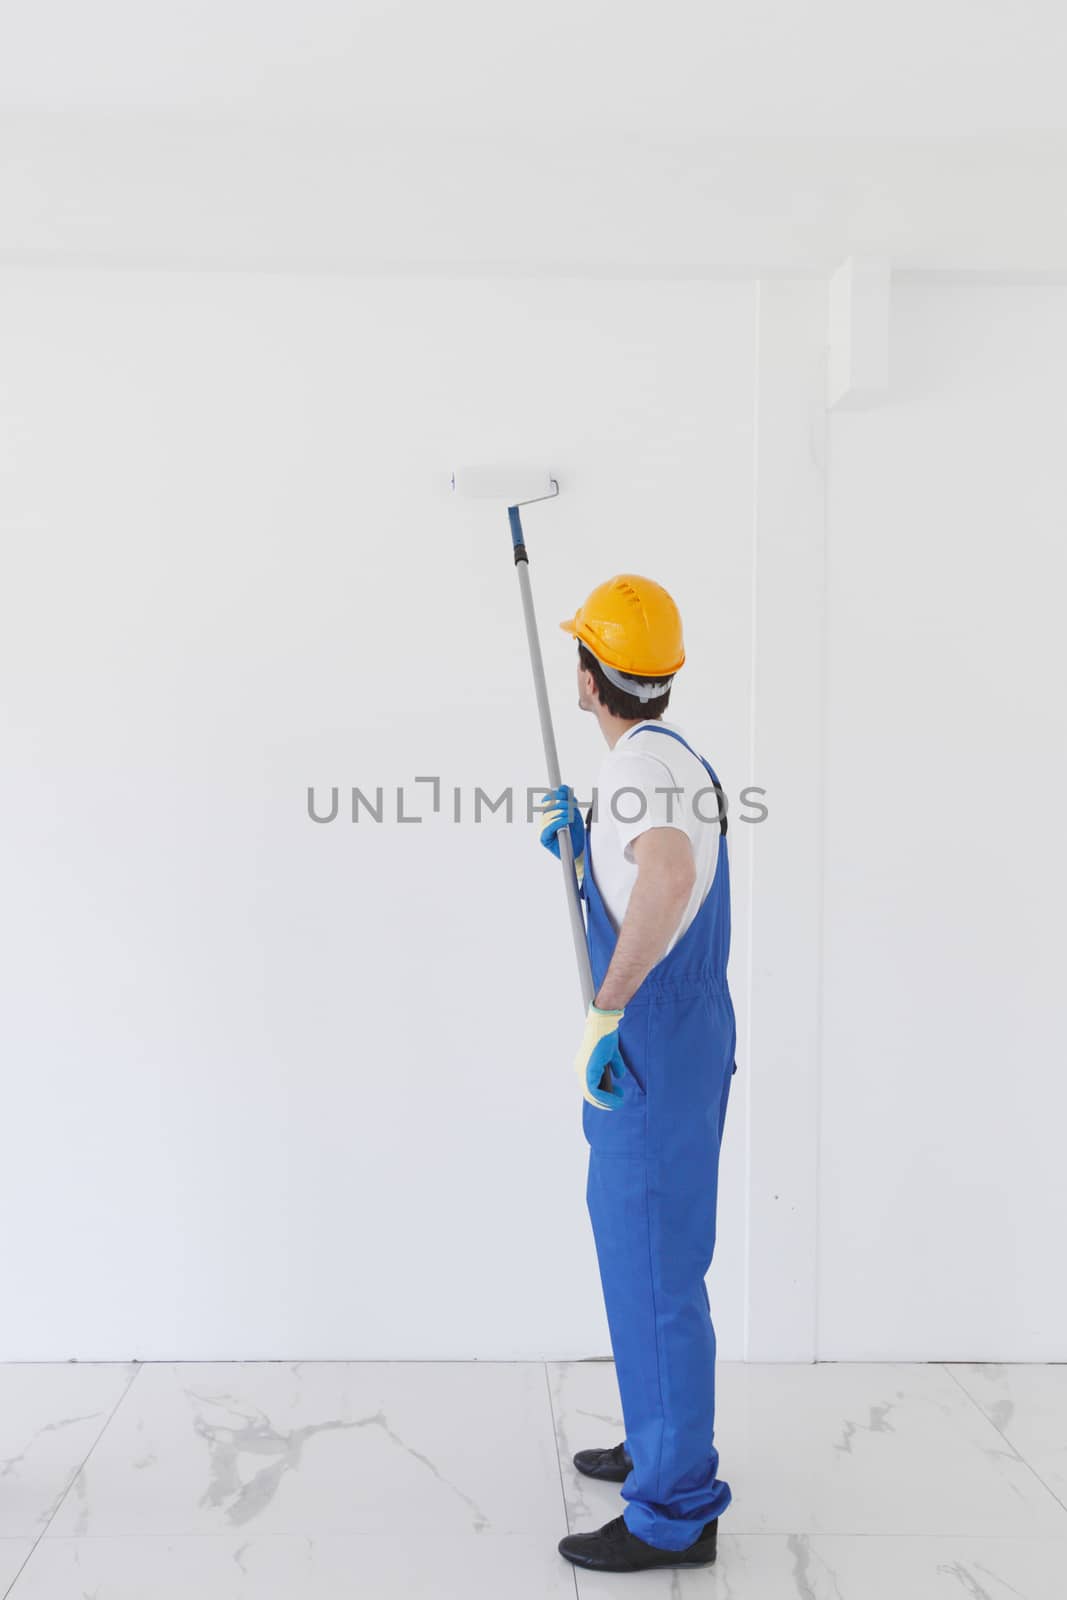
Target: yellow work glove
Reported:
[(599, 1049)]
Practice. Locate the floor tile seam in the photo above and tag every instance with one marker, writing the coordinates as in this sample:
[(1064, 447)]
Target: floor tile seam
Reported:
[(61, 1501), (555, 1441), (472, 1534)]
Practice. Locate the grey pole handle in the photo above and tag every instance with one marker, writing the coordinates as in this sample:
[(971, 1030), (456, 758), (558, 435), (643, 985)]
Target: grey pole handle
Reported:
[(566, 852)]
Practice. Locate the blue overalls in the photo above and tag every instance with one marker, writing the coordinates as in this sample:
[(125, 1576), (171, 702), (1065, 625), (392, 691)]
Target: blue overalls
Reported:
[(653, 1179)]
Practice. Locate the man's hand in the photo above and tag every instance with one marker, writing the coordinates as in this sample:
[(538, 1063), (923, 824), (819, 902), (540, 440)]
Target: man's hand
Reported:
[(599, 1049), (666, 873), (559, 810)]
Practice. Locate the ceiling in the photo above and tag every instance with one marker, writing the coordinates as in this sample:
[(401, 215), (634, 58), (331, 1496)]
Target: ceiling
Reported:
[(680, 137)]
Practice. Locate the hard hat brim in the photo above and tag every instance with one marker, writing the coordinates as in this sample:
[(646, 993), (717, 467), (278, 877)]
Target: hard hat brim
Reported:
[(595, 648)]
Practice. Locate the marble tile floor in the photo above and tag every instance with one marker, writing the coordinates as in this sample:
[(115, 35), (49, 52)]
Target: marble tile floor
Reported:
[(453, 1481)]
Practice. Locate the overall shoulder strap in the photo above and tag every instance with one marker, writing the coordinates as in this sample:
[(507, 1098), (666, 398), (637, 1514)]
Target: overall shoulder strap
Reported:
[(652, 727)]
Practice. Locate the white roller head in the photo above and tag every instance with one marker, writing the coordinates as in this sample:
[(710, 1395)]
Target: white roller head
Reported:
[(509, 486)]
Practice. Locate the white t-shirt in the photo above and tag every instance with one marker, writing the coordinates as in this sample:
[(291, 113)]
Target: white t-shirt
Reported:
[(650, 762)]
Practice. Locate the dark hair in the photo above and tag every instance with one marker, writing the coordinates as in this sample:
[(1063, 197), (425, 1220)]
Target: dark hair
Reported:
[(617, 701)]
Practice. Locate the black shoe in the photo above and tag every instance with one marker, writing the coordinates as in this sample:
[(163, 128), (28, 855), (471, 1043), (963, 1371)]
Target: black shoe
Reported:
[(612, 1466), (613, 1548)]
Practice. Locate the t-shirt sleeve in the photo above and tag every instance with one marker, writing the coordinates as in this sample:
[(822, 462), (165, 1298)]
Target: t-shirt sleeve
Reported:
[(643, 794)]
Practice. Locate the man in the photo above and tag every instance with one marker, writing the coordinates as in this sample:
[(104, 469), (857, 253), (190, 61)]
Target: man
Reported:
[(655, 1064)]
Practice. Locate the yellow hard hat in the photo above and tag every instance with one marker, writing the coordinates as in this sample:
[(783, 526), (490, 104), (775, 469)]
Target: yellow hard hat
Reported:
[(632, 624)]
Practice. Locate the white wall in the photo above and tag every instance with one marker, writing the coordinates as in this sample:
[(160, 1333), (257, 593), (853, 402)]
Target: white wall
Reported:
[(254, 1096), (278, 1089), (943, 1195)]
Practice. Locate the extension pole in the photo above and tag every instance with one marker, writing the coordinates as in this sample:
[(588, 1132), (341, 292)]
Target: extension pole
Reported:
[(566, 851)]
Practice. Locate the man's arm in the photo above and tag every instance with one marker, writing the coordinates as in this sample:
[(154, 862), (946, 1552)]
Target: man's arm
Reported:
[(666, 873)]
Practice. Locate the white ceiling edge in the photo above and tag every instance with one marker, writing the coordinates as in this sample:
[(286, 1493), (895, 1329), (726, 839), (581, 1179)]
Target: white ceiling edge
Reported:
[(12, 265), (165, 193)]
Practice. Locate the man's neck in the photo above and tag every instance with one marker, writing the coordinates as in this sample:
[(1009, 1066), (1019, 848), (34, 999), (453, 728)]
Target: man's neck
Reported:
[(614, 728)]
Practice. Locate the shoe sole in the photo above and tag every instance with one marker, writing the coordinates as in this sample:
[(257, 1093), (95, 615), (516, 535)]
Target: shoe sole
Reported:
[(657, 1566), (611, 1476)]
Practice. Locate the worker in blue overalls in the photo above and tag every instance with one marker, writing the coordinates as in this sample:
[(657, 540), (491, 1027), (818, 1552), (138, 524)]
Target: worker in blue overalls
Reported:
[(655, 1066)]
